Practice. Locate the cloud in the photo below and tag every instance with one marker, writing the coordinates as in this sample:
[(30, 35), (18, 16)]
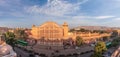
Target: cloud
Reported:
[(92, 17), (117, 19), (103, 17), (56, 8)]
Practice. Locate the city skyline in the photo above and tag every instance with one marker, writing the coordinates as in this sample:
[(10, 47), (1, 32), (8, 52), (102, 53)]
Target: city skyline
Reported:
[(18, 13)]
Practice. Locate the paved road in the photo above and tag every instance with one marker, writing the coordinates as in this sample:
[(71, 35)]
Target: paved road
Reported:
[(116, 53), (21, 52), (86, 55), (112, 49), (48, 52), (62, 51)]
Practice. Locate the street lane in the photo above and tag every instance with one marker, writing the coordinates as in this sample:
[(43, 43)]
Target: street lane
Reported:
[(21, 52)]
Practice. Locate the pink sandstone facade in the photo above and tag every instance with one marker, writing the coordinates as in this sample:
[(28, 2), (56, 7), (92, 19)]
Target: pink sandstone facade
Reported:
[(53, 31), (50, 31)]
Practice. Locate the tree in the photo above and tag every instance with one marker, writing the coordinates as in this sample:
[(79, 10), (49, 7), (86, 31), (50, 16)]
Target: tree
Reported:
[(9, 35), (71, 30), (114, 33), (106, 38), (11, 41), (10, 38), (20, 34), (100, 47), (115, 42), (82, 30), (79, 41)]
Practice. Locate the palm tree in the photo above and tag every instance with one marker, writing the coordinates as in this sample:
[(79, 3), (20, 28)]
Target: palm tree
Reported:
[(9, 35), (10, 38)]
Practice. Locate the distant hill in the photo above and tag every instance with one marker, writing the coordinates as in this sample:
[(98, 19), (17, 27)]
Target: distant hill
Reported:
[(97, 28)]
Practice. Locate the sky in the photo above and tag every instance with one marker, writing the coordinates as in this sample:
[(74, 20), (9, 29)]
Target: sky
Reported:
[(25, 13)]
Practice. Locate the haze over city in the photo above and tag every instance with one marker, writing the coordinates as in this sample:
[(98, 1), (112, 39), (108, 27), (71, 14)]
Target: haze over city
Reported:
[(19, 13)]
